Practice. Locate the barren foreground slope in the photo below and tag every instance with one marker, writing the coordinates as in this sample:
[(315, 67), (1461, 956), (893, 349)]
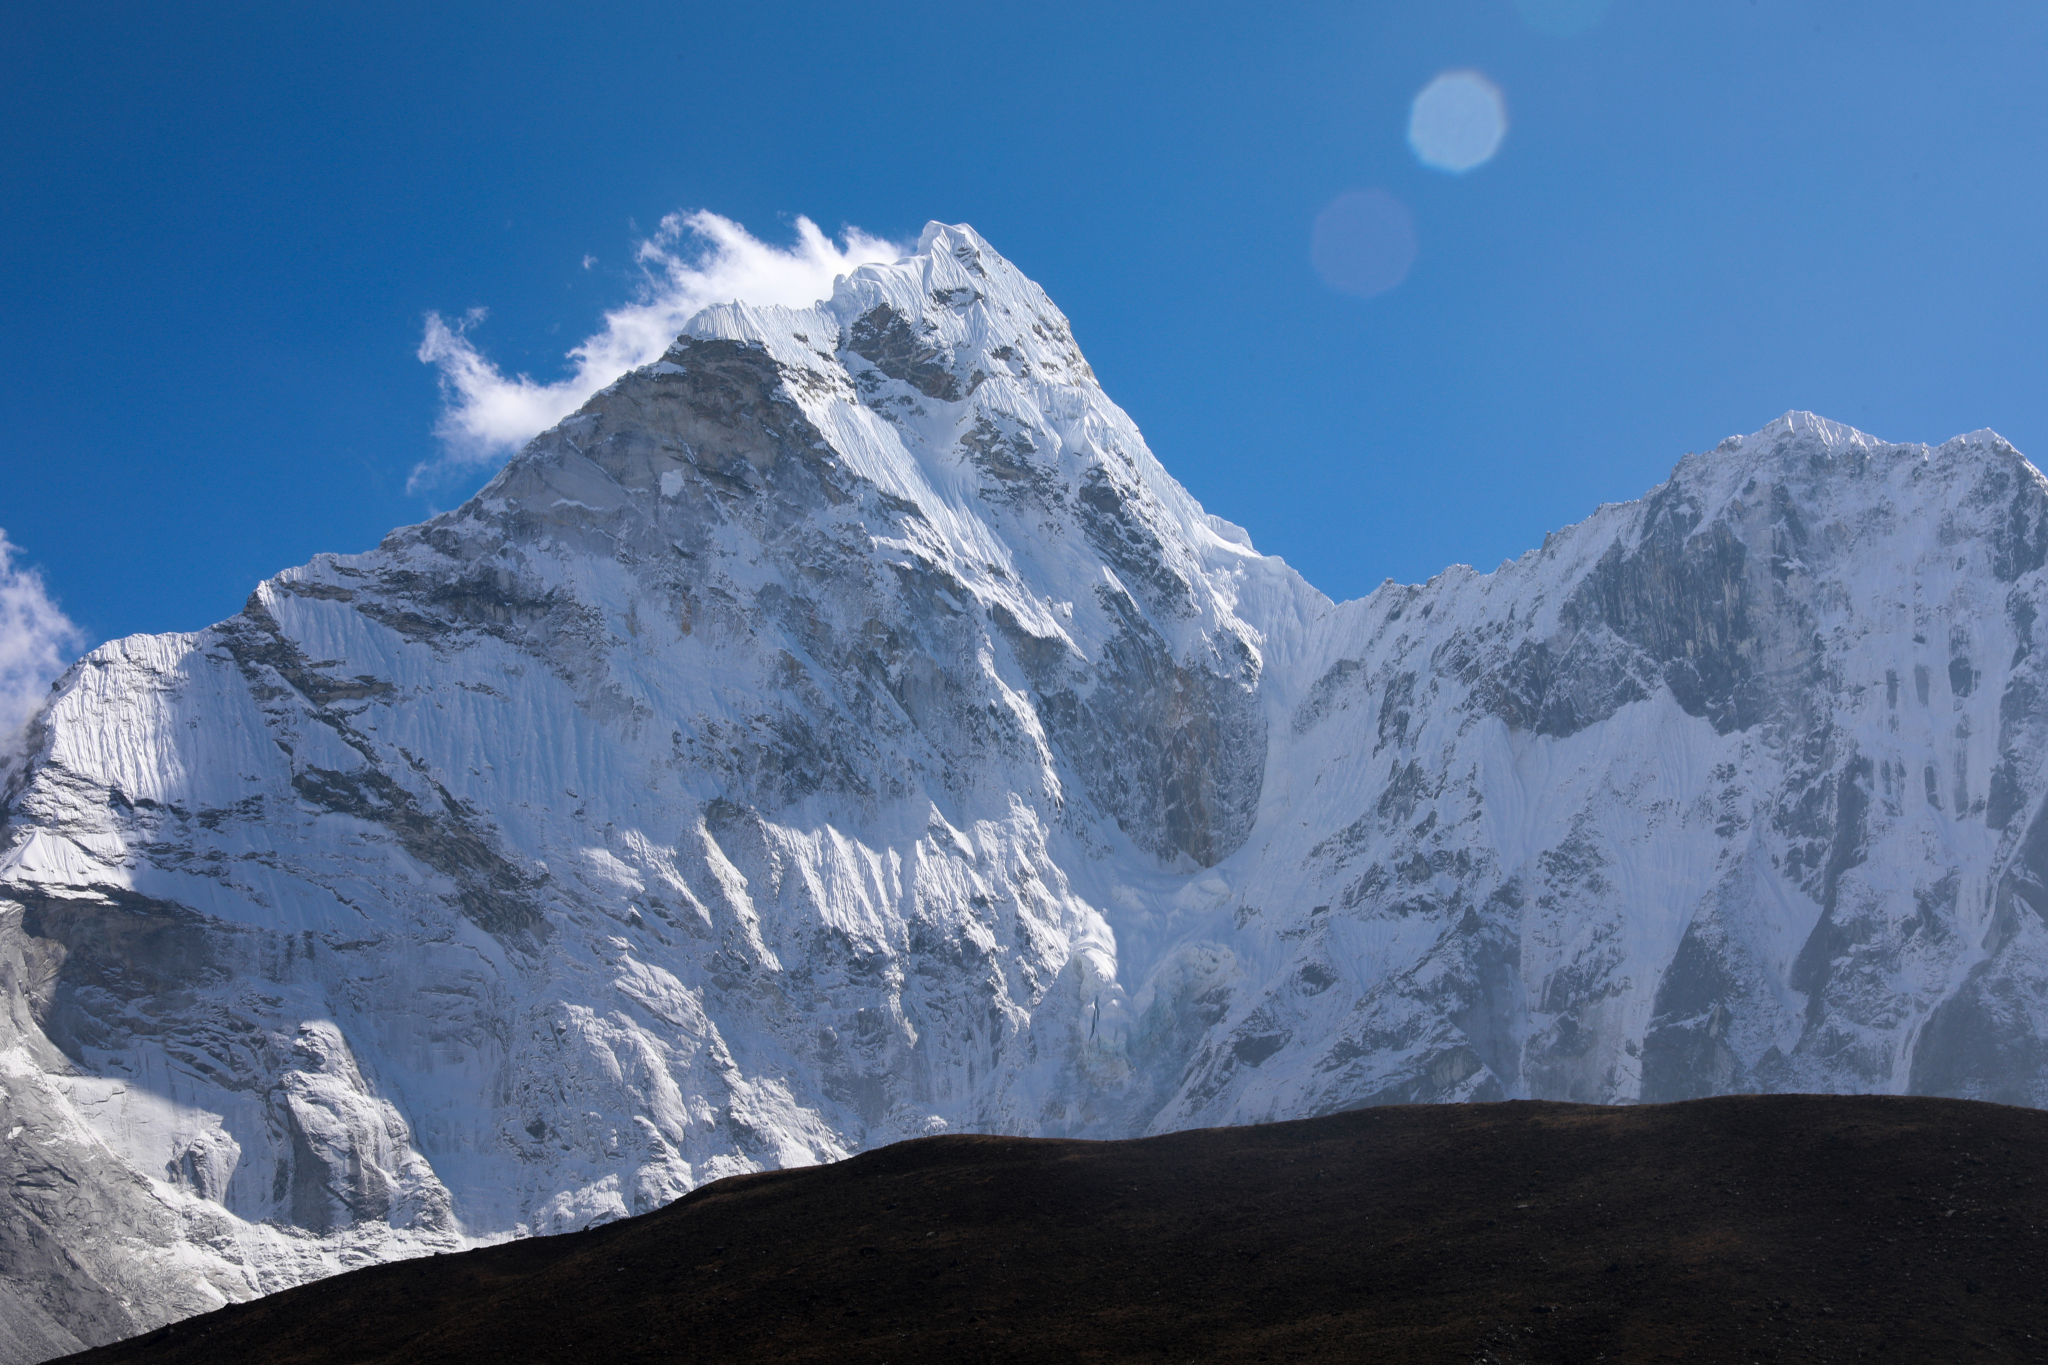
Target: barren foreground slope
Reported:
[(1788, 1227)]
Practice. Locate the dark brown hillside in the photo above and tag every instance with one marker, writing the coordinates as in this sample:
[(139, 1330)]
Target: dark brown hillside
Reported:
[(1787, 1228)]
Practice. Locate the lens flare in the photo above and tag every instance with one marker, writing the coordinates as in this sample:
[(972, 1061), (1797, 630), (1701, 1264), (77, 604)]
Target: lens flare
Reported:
[(1363, 242), (1457, 122)]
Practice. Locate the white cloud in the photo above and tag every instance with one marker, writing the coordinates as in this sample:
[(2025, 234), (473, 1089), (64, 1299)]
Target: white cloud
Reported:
[(37, 641), (694, 260)]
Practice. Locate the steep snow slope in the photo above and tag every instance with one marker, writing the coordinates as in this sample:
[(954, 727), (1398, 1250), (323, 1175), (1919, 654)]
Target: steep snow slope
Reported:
[(844, 729)]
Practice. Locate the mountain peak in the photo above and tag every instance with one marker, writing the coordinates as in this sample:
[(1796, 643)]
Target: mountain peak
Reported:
[(844, 729), (1795, 431), (1811, 451), (1810, 427), (962, 243)]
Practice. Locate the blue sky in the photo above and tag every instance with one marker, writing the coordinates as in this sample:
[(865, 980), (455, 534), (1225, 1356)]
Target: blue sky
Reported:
[(222, 231)]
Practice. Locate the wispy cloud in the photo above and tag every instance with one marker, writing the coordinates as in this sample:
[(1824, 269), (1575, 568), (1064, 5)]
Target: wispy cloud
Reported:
[(694, 260), (37, 641)]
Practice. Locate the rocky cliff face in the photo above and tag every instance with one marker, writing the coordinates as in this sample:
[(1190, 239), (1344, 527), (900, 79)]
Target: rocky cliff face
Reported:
[(844, 729)]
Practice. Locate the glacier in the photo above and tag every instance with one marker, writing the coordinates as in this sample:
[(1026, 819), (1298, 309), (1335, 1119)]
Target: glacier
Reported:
[(844, 729)]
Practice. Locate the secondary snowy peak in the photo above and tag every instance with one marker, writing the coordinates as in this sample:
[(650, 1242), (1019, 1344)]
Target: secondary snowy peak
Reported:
[(1814, 429), (844, 729), (1806, 455), (1737, 786)]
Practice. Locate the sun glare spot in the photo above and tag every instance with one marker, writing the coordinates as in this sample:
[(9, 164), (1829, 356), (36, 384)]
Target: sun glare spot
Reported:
[(1363, 242), (1457, 122)]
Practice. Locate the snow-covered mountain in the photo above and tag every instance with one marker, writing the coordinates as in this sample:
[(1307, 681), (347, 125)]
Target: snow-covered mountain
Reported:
[(844, 729)]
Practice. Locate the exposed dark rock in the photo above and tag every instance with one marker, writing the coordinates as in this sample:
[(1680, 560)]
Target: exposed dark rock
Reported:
[(887, 340)]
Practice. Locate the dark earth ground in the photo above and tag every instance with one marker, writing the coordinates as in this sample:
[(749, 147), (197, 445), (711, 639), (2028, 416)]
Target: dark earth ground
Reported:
[(1788, 1227)]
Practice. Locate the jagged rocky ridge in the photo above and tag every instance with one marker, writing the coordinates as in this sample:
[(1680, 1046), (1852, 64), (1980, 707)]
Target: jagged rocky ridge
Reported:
[(844, 729)]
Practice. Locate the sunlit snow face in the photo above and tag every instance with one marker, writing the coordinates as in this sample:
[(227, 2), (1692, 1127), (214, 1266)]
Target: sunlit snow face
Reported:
[(1363, 242), (1457, 122)]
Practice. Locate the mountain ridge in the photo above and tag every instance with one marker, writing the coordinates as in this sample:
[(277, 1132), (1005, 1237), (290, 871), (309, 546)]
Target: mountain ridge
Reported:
[(844, 729)]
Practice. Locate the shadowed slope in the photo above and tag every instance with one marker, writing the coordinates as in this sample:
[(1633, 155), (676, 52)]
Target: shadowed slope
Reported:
[(1789, 1227)]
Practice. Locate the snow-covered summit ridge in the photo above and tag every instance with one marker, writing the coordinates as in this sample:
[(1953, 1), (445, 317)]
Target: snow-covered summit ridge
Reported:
[(1815, 452), (1814, 430), (954, 335), (950, 380), (1796, 424), (844, 729), (964, 308)]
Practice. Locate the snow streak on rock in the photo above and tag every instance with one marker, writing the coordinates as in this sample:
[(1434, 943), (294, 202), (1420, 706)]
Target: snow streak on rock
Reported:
[(843, 729)]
